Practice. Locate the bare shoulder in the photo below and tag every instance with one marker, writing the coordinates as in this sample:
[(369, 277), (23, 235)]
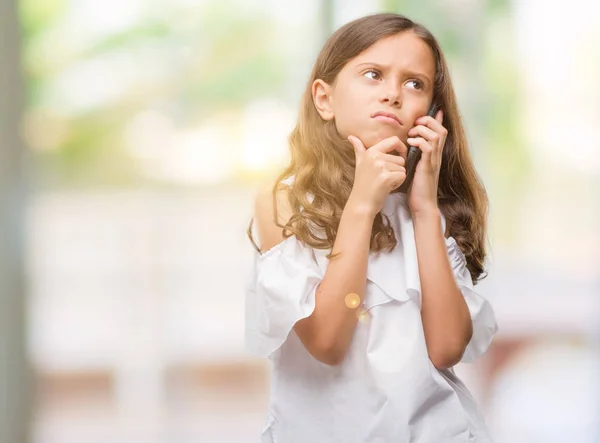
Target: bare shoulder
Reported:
[(265, 210)]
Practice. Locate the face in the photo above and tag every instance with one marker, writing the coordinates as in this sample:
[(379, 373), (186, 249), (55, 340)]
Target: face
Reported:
[(380, 92)]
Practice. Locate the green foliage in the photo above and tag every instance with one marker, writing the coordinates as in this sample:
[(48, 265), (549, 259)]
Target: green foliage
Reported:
[(35, 15), (215, 57)]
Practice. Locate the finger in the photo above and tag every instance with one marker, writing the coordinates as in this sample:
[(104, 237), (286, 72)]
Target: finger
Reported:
[(398, 178), (439, 117), (424, 146), (425, 132), (390, 144), (392, 167), (433, 123), (358, 145), (402, 149), (394, 159)]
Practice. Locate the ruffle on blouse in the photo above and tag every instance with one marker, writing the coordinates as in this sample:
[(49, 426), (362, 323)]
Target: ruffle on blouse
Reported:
[(285, 279), (281, 292), (482, 313)]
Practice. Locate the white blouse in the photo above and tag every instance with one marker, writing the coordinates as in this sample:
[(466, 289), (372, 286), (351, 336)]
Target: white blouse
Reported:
[(386, 389)]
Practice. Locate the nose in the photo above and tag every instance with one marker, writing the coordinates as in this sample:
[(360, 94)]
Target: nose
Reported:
[(392, 96)]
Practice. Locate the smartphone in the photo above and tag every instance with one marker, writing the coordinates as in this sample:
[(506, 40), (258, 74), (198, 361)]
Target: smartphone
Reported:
[(413, 157)]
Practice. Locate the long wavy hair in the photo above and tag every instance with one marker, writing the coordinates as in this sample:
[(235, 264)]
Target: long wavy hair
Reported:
[(323, 163)]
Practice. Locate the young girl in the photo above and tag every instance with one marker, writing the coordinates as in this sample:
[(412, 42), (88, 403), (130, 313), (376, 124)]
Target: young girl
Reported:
[(363, 296)]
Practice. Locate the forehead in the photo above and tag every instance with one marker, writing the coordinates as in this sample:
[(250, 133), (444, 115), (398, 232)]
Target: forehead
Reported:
[(401, 51)]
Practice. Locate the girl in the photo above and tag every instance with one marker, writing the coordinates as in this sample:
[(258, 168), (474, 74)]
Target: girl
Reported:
[(363, 296)]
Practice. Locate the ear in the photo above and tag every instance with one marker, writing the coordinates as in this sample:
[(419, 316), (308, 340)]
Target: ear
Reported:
[(321, 94)]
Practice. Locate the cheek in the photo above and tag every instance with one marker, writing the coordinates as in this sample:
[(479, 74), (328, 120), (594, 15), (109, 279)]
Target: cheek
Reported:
[(417, 111), (345, 106), (347, 115), (352, 107)]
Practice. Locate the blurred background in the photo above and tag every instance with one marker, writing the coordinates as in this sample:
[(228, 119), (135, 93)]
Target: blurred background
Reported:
[(133, 135)]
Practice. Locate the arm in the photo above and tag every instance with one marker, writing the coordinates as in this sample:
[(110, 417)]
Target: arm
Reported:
[(446, 319), (328, 331)]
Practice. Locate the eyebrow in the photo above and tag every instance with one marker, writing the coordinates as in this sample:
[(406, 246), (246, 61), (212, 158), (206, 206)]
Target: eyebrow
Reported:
[(409, 72)]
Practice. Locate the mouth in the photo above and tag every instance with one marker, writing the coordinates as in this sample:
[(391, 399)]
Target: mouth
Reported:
[(387, 117)]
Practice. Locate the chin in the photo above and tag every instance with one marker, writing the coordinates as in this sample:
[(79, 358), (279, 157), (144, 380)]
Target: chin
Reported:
[(382, 135)]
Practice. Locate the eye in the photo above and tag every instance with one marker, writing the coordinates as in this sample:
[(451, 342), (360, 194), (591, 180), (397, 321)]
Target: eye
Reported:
[(419, 84), (376, 74)]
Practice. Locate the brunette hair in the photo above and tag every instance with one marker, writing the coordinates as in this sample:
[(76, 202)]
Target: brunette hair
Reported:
[(323, 163)]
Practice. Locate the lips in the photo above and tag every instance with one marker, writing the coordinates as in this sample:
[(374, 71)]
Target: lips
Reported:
[(387, 117)]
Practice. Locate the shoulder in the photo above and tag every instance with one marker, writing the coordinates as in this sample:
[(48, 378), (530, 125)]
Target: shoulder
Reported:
[(271, 212)]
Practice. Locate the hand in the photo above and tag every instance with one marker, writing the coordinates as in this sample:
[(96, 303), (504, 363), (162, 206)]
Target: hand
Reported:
[(429, 136), (377, 172)]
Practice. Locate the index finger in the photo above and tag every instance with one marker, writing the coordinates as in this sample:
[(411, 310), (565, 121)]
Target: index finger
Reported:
[(433, 123), (390, 144)]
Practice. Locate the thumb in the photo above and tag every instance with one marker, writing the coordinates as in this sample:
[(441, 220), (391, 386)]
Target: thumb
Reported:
[(358, 145)]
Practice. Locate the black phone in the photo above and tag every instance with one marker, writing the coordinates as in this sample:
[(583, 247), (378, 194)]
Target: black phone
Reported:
[(413, 157)]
